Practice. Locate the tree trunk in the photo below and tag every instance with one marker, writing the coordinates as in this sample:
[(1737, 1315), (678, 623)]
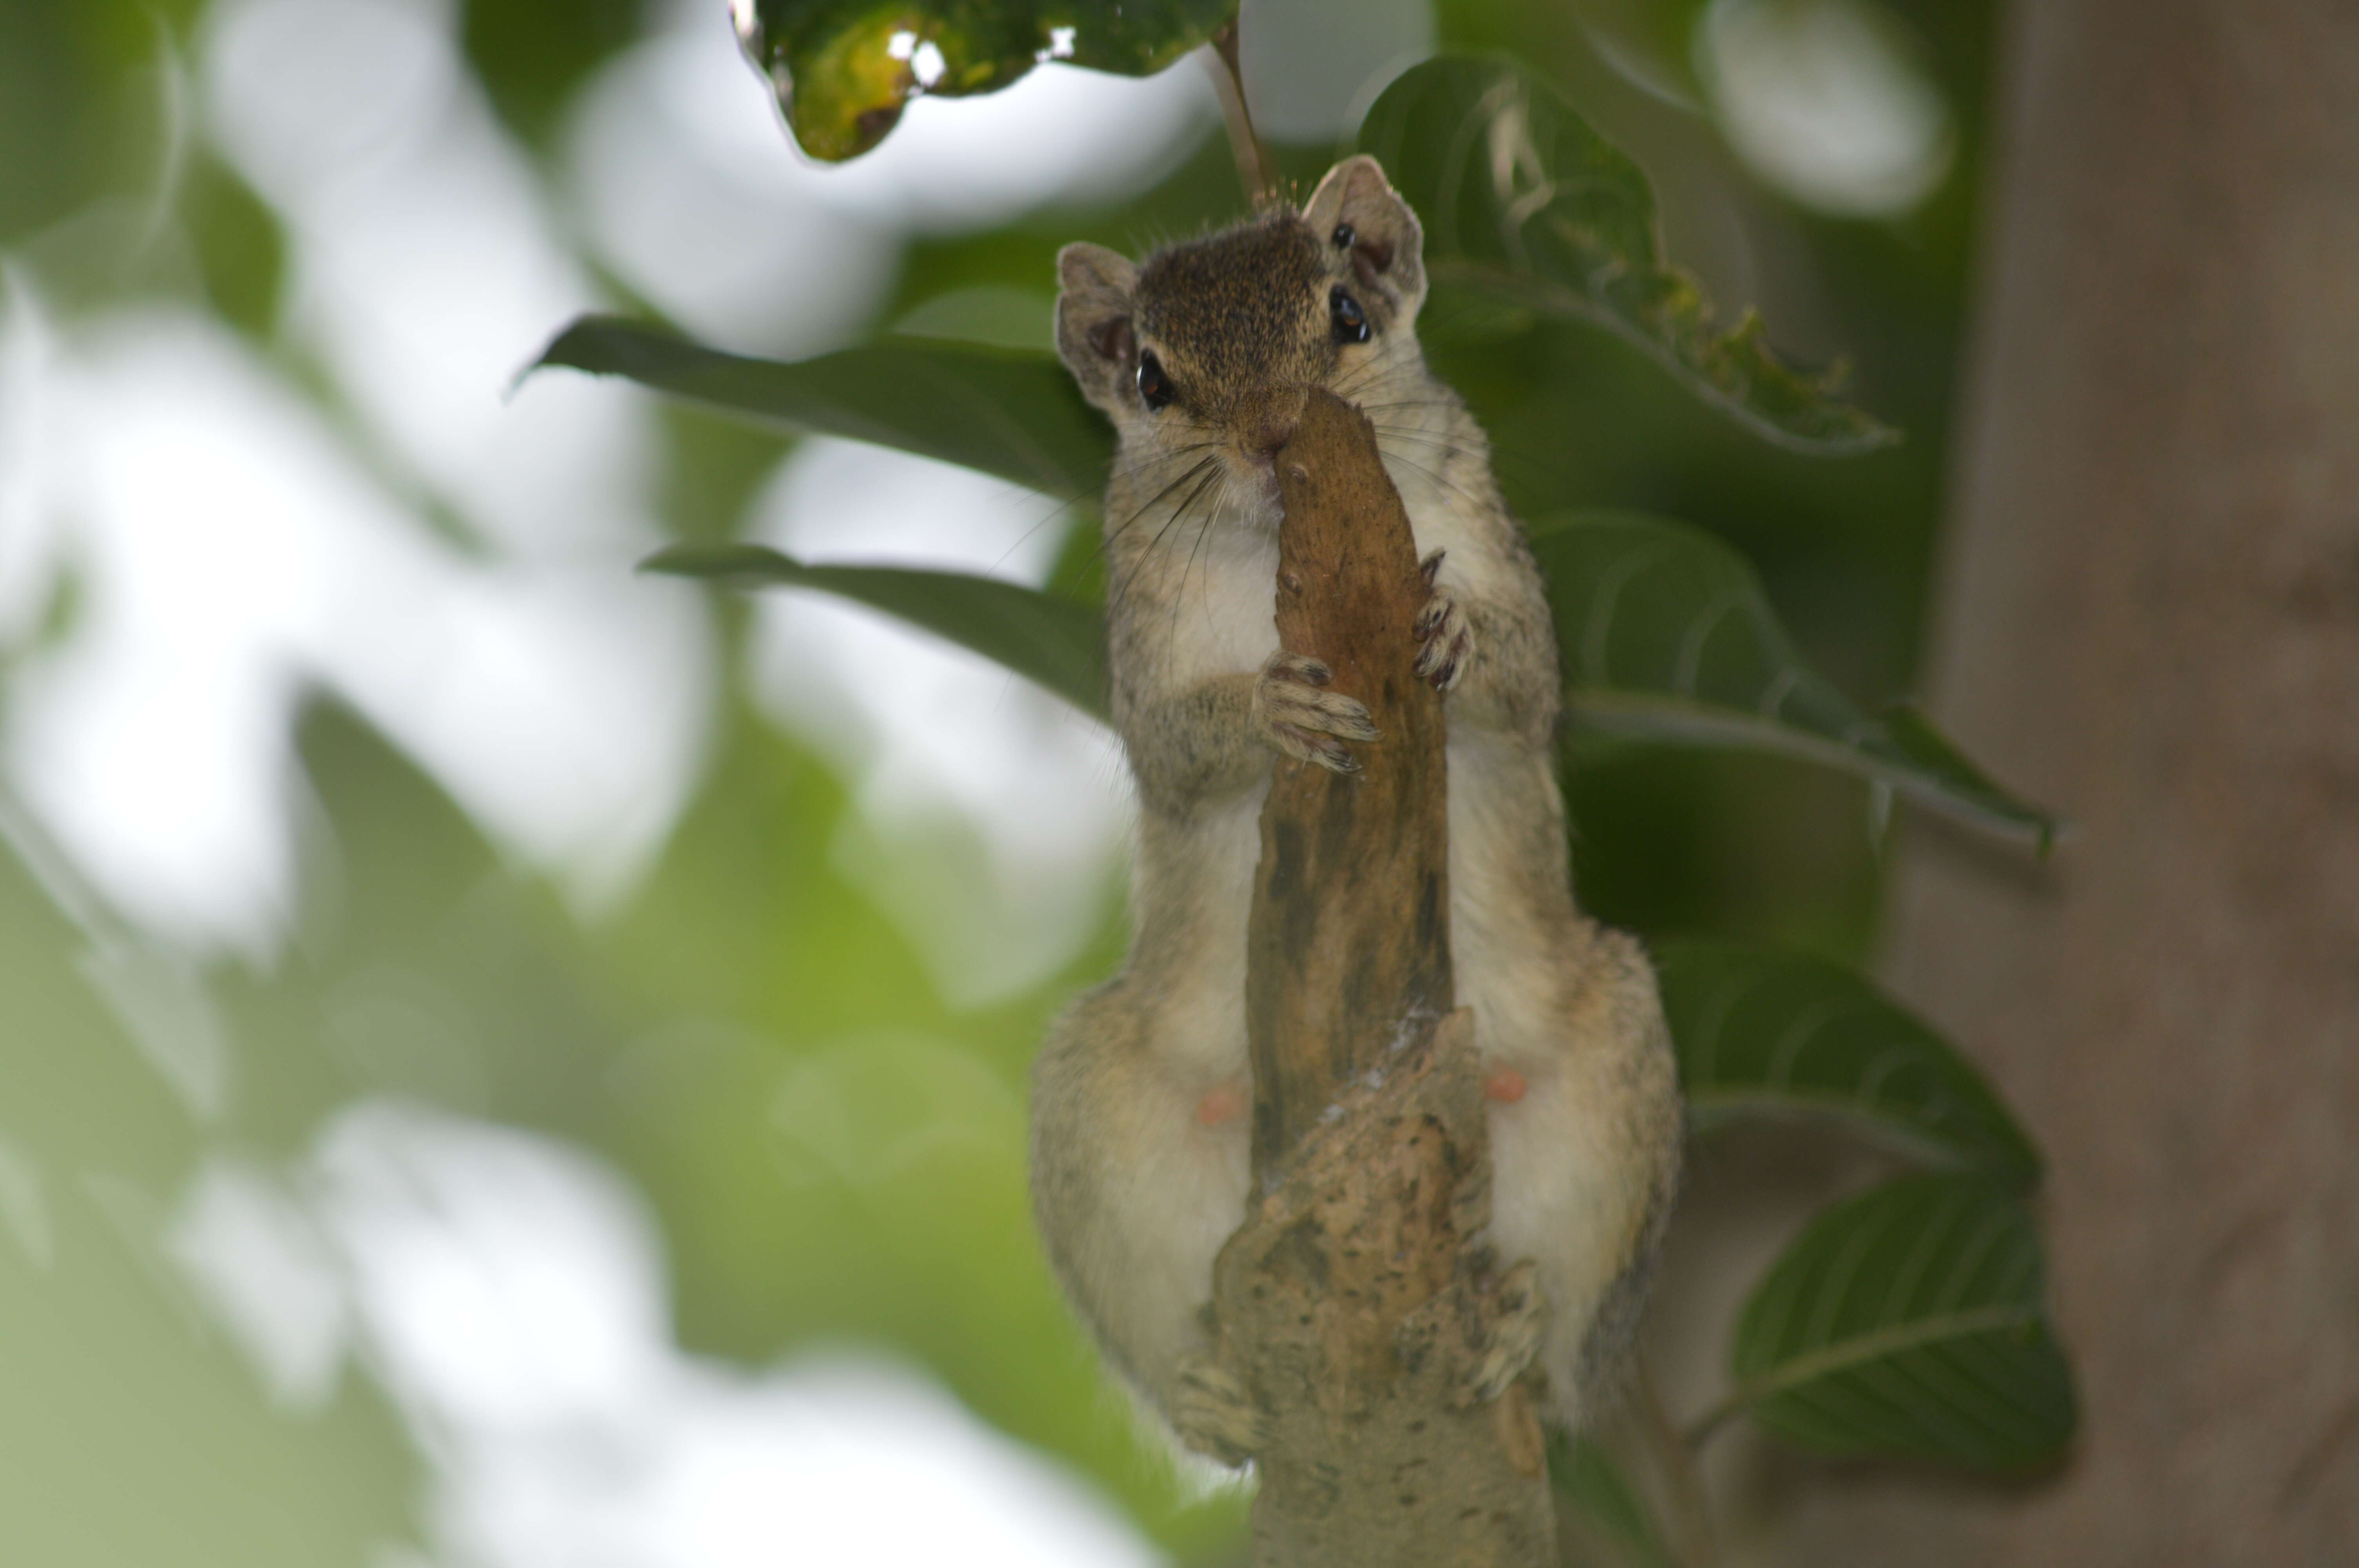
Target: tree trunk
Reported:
[(1349, 1301), (2151, 620)]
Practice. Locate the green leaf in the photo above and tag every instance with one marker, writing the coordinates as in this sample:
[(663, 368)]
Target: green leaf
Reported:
[(1591, 1484), (1055, 642), (998, 410), (1907, 1323), (844, 69), (1521, 199), (1765, 1032), (1667, 637)]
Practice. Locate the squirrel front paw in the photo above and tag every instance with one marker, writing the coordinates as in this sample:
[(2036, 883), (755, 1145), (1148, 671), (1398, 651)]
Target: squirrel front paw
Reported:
[(1214, 1414), (1448, 644), (1296, 714)]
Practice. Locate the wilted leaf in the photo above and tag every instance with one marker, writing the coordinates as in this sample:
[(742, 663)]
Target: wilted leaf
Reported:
[(1907, 1323), (1765, 1032), (1520, 199), (998, 410), (1667, 637), (844, 69), (1055, 642)]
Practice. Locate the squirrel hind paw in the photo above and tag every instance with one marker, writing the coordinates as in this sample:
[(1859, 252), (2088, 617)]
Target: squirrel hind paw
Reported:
[(1213, 1411), (1518, 1326)]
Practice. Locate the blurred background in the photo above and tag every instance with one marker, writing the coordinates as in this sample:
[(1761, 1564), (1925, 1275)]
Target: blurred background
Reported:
[(507, 1064)]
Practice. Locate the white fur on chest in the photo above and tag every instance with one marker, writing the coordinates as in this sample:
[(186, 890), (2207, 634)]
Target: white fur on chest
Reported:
[(1223, 619)]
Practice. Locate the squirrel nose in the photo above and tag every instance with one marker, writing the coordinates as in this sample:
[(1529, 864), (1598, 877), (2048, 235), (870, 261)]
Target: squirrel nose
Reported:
[(1269, 434), (1271, 421)]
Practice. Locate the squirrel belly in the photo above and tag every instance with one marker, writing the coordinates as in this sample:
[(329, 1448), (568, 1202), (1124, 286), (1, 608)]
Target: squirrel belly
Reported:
[(1139, 1151), (1138, 1192)]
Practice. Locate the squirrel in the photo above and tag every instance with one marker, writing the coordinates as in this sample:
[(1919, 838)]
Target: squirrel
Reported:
[(1200, 356)]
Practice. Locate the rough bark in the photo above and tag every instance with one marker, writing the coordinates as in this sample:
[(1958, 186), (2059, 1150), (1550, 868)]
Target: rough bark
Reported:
[(1349, 1299), (2151, 619)]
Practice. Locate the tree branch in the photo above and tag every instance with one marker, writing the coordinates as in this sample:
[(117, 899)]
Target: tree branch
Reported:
[(1349, 1300)]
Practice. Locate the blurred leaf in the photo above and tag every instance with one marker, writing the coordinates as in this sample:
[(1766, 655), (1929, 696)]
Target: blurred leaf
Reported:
[(239, 252), (531, 60), (1907, 1323), (1014, 414), (53, 128), (1905, 735), (115, 1347), (1456, 318), (1668, 637), (1647, 43), (1586, 1478), (1766, 1033), (1519, 198), (1055, 642), (844, 69)]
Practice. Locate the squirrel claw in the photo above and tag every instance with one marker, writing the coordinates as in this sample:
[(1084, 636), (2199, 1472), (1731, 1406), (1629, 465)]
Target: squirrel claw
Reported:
[(1303, 719), (1305, 747), (1449, 643)]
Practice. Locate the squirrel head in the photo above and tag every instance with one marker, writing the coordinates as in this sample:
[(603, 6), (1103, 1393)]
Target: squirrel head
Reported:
[(1215, 341)]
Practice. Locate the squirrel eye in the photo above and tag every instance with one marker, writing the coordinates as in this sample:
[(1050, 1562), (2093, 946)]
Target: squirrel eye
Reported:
[(1351, 321), (1344, 236), (1154, 386)]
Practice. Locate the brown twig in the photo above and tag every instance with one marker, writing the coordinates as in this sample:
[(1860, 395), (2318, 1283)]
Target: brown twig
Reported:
[(1253, 160), (1349, 1300)]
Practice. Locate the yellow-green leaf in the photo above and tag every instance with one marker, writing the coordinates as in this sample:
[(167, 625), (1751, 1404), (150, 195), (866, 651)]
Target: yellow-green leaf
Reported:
[(844, 70)]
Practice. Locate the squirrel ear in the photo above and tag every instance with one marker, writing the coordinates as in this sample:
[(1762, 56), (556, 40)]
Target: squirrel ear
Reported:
[(1387, 243), (1094, 331)]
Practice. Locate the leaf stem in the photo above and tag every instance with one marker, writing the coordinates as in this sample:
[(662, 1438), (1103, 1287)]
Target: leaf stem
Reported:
[(1252, 158), (1701, 1429), (1692, 1543)]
